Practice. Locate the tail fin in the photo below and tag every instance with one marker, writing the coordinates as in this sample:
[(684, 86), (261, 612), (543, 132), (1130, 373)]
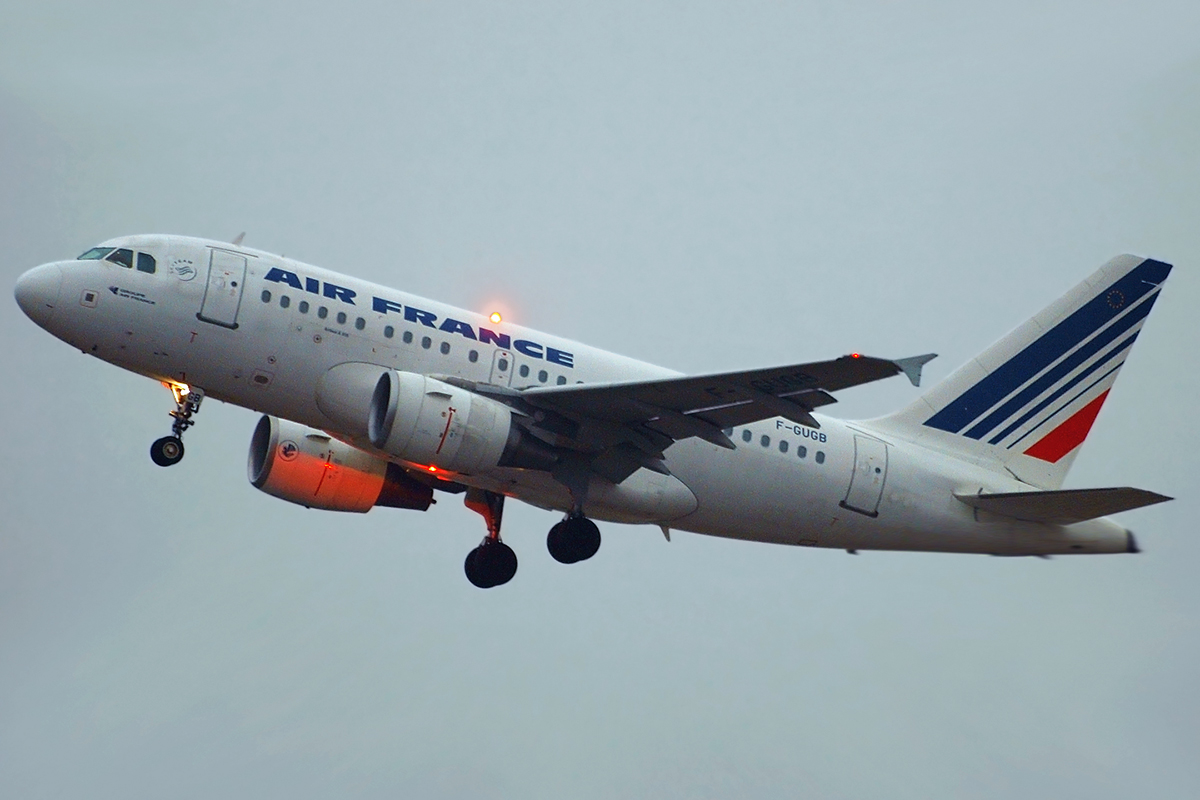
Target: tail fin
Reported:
[(1029, 400)]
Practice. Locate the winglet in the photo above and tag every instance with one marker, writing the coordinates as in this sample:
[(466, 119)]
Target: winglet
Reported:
[(912, 365)]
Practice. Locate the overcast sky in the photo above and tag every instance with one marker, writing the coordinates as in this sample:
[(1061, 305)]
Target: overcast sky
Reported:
[(707, 187)]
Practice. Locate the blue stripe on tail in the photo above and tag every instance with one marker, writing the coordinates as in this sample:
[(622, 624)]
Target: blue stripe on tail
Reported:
[(1066, 387), (1061, 369), (972, 404)]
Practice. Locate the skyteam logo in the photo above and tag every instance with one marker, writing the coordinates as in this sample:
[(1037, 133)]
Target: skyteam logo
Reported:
[(1046, 396), (427, 319)]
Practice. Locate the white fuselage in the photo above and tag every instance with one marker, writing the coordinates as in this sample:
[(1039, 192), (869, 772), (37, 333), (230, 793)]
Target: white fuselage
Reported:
[(265, 344)]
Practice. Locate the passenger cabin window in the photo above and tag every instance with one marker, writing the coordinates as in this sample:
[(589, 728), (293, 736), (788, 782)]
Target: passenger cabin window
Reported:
[(783, 445), (408, 337), (561, 380), (284, 301), (341, 318), (266, 296), (766, 441), (802, 451), (303, 306), (524, 370), (322, 312), (747, 435), (145, 263), (543, 376), (388, 332), (445, 348), (820, 457), (426, 342), (360, 323), (121, 256), (95, 254), (473, 356)]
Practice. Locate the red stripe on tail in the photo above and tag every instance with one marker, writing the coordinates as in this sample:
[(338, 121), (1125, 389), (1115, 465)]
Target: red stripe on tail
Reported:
[(1069, 435)]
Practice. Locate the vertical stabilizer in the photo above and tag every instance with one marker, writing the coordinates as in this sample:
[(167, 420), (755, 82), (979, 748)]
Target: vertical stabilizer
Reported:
[(1029, 400)]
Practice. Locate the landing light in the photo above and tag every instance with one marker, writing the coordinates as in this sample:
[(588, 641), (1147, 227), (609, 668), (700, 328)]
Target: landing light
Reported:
[(495, 317), (180, 390)]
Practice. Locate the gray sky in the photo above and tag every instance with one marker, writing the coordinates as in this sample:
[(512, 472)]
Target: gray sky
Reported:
[(704, 186)]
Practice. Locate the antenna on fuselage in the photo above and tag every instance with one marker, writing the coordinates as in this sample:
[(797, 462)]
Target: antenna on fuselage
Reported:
[(238, 239)]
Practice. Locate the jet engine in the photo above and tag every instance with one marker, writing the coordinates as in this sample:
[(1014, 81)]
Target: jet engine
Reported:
[(432, 423), (305, 466)]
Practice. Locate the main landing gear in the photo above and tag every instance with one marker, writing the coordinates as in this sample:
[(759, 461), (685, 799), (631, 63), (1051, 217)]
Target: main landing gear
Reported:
[(574, 539), (493, 563), (168, 450)]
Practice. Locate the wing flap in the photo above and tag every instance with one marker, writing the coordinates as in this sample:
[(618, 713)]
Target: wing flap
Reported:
[(1063, 507)]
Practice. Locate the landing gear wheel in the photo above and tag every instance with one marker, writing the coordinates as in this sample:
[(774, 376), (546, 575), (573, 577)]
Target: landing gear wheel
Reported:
[(574, 539), (491, 564), (167, 451)]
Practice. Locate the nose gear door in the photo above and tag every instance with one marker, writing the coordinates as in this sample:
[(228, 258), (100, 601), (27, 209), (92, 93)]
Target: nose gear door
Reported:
[(502, 368), (870, 473), (223, 294)]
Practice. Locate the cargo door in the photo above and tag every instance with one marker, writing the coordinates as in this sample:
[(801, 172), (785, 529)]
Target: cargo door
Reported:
[(868, 477), (223, 294)]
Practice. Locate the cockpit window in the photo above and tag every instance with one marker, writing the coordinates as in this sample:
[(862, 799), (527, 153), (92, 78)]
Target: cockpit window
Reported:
[(145, 262), (95, 253), (121, 256)]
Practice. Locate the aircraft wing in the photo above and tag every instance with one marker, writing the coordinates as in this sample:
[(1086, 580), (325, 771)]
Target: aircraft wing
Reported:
[(680, 407), (630, 424)]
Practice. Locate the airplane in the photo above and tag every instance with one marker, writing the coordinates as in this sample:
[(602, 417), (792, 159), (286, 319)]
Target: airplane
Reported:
[(371, 396)]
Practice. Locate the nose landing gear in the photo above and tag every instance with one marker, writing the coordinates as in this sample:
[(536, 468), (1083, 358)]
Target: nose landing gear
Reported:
[(168, 450), (492, 563)]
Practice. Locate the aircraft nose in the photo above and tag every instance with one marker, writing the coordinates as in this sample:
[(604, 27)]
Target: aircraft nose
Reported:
[(37, 292)]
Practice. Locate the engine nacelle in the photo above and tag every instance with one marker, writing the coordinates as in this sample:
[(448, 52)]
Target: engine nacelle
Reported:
[(305, 466), (432, 423)]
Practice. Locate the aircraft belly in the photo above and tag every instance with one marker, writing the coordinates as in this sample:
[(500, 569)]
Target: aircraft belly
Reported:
[(755, 494)]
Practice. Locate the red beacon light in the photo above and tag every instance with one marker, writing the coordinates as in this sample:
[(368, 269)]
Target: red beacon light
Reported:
[(496, 318)]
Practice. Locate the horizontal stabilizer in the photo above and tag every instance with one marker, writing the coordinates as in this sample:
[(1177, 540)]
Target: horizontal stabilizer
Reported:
[(1063, 507)]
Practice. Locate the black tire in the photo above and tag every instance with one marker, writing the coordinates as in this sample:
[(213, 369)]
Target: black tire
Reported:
[(559, 544), (475, 573), (491, 564), (584, 537), (502, 562), (572, 540), (167, 451)]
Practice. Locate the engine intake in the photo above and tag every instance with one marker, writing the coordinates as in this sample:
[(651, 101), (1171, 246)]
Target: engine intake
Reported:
[(310, 468), (432, 423)]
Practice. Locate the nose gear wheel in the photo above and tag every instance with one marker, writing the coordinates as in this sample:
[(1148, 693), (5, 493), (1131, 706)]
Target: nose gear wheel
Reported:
[(167, 451)]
